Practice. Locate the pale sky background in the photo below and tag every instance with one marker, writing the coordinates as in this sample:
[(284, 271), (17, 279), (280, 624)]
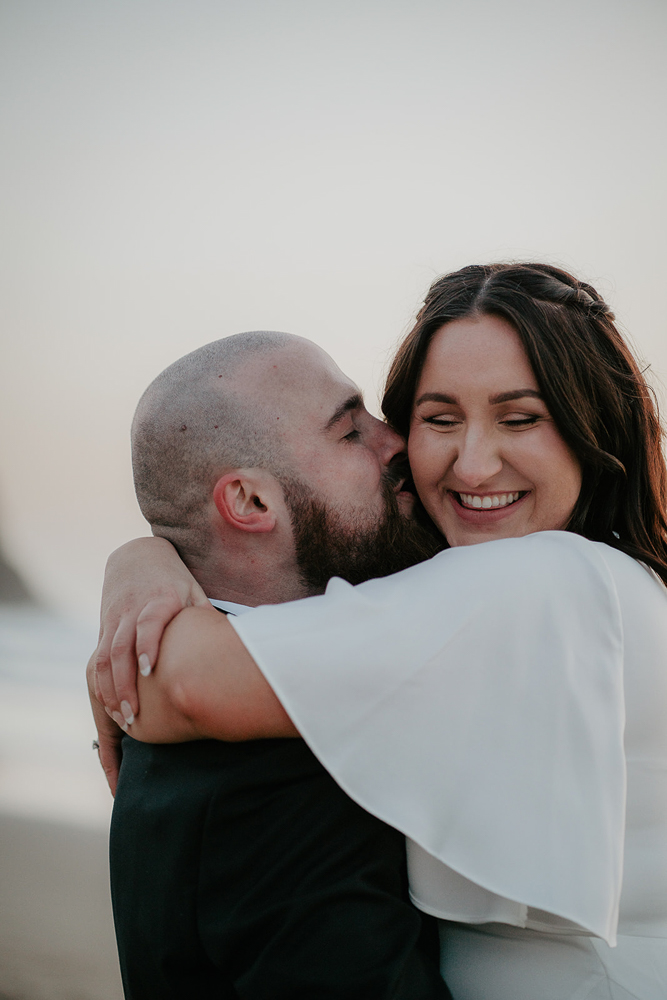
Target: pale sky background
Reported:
[(174, 171)]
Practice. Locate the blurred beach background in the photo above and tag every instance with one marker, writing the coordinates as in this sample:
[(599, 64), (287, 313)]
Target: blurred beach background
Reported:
[(174, 172)]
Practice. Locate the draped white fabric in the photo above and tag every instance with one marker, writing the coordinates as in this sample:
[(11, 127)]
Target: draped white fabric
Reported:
[(475, 702)]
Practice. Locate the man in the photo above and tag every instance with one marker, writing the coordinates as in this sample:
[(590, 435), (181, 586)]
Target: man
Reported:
[(242, 869)]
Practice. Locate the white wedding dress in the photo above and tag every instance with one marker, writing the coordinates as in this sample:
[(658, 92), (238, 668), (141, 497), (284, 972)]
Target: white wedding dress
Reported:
[(505, 706)]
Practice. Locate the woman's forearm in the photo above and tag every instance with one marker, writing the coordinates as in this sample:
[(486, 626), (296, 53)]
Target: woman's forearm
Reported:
[(206, 686), (145, 586)]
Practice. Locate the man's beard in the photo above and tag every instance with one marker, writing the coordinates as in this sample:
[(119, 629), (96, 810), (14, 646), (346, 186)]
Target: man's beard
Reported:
[(326, 545)]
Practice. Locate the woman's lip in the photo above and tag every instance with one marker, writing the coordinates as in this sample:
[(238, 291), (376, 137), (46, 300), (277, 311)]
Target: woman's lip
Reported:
[(485, 515)]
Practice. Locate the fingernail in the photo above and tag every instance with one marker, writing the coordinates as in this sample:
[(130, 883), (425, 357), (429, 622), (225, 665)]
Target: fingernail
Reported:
[(128, 714), (119, 720), (144, 665)]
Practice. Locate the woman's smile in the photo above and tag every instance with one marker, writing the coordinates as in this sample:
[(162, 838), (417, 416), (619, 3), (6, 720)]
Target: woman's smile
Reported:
[(486, 508), (486, 457), (488, 500)]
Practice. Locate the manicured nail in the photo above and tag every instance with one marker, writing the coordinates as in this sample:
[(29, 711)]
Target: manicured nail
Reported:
[(128, 714), (119, 720), (144, 665)]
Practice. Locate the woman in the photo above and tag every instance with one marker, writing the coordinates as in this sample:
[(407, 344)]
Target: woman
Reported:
[(503, 705)]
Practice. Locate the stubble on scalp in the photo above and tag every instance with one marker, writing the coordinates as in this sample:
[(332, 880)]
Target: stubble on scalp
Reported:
[(191, 424)]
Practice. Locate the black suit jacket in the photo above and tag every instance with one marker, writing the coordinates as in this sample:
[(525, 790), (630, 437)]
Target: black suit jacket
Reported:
[(242, 870)]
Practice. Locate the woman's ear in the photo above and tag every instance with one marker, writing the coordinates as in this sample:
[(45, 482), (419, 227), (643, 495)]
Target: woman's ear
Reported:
[(246, 499)]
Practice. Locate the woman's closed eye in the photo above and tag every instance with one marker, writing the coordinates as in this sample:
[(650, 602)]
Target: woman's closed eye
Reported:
[(525, 420), (513, 422), (443, 420)]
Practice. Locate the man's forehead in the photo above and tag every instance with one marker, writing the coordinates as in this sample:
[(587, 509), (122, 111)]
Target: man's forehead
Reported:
[(299, 370)]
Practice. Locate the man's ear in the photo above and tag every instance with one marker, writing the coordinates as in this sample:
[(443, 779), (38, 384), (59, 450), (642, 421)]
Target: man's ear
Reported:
[(247, 499)]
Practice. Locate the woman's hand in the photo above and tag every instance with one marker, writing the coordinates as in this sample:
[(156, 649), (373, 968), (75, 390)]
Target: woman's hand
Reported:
[(109, 735), (206, 685), (145, 586)]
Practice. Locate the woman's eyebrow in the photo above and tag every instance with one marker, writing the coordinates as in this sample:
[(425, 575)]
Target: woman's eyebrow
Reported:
[(436, 397), (352, 403), (507, 397), (501, 397)]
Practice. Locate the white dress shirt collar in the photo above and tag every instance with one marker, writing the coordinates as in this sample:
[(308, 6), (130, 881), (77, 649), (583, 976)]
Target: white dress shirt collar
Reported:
[(230, 608)]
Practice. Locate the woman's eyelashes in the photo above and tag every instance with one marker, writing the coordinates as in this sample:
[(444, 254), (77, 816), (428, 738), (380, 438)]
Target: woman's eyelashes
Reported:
[(525, 421), (517, 421), (440, 421)]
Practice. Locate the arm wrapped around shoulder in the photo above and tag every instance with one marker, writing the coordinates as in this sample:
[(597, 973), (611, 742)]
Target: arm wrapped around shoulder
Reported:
[(206, 686)]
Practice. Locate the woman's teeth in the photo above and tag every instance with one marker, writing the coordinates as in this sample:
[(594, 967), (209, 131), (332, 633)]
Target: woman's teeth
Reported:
[(484, 503)]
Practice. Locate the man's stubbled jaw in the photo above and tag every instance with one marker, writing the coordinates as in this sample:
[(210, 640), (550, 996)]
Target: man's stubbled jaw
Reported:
[(327, 545)]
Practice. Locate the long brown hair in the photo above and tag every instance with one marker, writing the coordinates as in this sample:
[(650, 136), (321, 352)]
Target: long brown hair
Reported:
[(591, 384)]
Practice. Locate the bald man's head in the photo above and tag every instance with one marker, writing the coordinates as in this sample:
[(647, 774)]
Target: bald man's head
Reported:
[(202, 415), (277, 403)]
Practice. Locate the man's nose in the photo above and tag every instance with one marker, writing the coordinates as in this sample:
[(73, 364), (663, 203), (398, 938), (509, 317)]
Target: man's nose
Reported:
[(478, 460), (386, 442)]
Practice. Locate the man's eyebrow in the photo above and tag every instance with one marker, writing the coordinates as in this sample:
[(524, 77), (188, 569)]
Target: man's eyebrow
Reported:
[(352, 403), (502, 397)]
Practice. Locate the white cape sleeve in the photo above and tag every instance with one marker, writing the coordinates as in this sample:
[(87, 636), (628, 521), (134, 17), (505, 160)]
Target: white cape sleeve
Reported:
[(474, 702)]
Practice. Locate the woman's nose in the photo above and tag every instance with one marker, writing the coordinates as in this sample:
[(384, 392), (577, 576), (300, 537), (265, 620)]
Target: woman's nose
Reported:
[(478, 460)]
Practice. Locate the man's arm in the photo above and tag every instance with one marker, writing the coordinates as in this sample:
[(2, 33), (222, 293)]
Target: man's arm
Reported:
[(206, 686)]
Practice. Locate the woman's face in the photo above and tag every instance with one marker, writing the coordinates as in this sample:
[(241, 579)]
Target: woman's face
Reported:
[(486, 457)]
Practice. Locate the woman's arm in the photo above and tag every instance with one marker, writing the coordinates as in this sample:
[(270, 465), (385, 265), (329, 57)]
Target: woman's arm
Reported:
[(145, 586), (206, 686), (109, 735)]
